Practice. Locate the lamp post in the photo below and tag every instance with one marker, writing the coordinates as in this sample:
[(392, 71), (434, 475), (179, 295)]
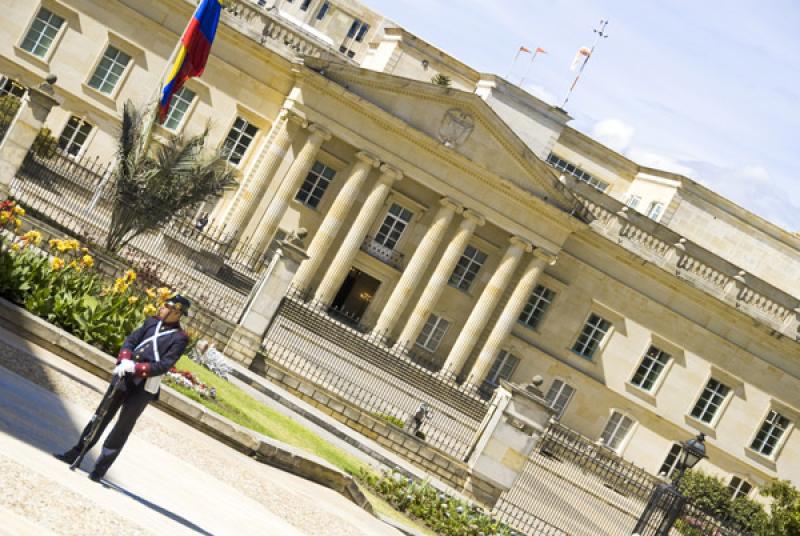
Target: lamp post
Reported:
[(666, 502)]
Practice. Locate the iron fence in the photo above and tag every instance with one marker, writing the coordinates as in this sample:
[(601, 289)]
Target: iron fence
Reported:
[(355, 366)]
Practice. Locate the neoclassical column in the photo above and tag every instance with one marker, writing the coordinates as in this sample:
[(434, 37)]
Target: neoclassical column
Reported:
[(416, 266), (509, 316), (337, 271), (334, 219), (253, 186), (288, 187), (476, 323), (441, 274)]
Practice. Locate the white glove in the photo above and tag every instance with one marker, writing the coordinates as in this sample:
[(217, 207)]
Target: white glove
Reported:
[(126, 367)]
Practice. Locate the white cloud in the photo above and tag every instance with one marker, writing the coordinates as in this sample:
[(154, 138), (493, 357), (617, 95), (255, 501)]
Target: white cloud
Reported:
[(615, 133), (541, 93), (647, 158)]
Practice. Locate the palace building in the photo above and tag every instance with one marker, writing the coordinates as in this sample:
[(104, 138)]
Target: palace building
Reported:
[(469, 226)]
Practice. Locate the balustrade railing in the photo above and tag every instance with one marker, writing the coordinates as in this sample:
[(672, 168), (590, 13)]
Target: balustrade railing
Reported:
[(383, 253)]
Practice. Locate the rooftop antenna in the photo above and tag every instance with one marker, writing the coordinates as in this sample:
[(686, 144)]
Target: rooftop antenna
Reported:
[(599, 34)]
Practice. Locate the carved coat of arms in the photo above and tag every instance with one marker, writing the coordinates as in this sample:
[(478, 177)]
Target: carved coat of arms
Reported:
[(456, 127)]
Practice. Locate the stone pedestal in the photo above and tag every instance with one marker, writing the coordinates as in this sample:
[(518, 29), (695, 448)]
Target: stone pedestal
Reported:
[(246, 340), (508, 435), (22, 131)]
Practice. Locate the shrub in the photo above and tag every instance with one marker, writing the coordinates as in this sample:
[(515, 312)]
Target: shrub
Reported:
[(391, 419)]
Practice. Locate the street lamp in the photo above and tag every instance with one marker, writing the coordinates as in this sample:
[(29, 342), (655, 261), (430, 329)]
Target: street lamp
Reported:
[(666, 502)]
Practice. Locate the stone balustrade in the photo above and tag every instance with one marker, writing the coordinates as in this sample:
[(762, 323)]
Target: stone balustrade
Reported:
[(266, 25), (690, 262)]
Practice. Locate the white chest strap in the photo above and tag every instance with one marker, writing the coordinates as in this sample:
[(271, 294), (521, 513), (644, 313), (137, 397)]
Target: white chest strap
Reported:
[(153, 339)]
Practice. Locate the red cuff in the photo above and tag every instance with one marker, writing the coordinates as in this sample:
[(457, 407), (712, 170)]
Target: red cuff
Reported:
[(142, 370), (123, 355)]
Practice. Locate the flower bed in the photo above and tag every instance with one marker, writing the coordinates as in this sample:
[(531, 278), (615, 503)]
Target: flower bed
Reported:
[(187, 380)]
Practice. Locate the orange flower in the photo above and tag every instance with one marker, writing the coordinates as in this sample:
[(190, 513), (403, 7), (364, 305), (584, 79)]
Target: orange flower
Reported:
[(56, 263)]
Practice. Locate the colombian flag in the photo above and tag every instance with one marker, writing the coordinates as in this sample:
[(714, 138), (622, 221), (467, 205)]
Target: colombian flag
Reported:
[(194, 47)]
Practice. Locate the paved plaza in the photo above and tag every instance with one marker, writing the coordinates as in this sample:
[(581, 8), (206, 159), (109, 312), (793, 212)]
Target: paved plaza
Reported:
[(170, 479)]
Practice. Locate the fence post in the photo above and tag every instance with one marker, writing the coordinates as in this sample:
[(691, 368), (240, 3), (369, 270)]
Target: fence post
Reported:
[(246, 339), (21, 133)]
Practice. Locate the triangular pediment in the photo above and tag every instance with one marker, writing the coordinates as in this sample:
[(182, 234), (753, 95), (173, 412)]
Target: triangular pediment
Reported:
[(459, 121)]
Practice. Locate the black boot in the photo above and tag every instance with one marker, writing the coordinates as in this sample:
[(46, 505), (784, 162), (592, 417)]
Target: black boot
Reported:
[(94, 476), (68, 457)]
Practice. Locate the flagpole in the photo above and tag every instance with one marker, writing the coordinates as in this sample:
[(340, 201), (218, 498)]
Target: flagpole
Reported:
[(510, 69), (530, 66), (599, 34)]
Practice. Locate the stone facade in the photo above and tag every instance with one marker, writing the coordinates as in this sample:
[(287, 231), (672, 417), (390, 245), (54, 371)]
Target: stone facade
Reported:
[(634, 326)]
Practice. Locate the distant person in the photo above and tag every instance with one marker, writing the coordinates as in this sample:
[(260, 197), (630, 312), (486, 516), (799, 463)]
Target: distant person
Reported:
[(201, 222), (147, 353)]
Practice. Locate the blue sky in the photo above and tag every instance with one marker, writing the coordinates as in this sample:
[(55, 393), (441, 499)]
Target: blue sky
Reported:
[(705, 88)]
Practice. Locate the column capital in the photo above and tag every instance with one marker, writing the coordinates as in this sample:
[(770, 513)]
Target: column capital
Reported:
[(521, 243), (545, 256), (291, 115), (318, 132), (390, 173), (449, 202), (474, 217), (368, 158)]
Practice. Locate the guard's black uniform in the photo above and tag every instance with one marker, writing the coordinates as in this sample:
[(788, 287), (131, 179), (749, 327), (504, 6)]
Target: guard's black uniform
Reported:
[(138, 389)]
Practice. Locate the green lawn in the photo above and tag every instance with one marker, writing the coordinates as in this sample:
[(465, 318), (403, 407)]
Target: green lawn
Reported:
[(242, 409)]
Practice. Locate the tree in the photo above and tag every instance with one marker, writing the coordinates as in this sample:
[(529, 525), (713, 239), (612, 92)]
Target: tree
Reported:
[(711, 495), (154, 181), (441, 80), (784, 518)]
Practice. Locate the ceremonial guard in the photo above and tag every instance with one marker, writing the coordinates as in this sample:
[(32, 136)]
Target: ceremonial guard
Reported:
[(147, 353)]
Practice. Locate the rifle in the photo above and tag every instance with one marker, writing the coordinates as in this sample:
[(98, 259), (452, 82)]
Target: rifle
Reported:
[(97, 419)]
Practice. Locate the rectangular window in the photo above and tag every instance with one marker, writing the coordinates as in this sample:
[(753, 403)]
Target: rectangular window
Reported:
[(178, 108), (74, 135), (671, 461), (354, 28), (467, 268), (575, 171), (650, 368), (770, 433), (109, 70), (432, 333), (616, 430), (537, 304), (43, 32), (304, 5), (9, 86), (655, 210), (502, 368), (591, 336), (559, 395), (323, 10), (633, 201), (362, 32), (393, 225), (710, 401), (313, 188), (238, 140), (739, 487)]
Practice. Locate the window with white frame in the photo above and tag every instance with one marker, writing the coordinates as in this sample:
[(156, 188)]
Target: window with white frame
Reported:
[(671, 461), (323, 10), (238, 140), (655, 210), (650, 368), (9, 86), (74, 135), (710, 401), (467, 268), (317, 181), (633, 201), (393, 225), (616, 430), (559, 395), (432, 333), (538, 302), (42, 33), (109, 70), (739, 487), (591, 336), (502, 368), (562, 165), (770, 433), (178, 107)]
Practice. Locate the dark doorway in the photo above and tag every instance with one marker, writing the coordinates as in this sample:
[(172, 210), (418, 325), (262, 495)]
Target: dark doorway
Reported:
[(355, 295)]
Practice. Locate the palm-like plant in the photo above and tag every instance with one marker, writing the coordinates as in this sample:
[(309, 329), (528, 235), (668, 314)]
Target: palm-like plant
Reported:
[(154, 182)]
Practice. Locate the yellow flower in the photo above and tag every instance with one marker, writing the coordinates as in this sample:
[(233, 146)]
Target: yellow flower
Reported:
[(33, 237), (17, 222), (74, 265), (130, 276), (56, 263), (120, 286), (19, 211), (62, 246), (15, 246), (87, 261), (151, 293), (133, 299), (149, 309), (53, 242), (3, 217), (85, 251), (163, 294), (73, 244)]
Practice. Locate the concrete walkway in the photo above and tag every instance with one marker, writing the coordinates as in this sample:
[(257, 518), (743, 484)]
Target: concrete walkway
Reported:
[(170, 479)]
